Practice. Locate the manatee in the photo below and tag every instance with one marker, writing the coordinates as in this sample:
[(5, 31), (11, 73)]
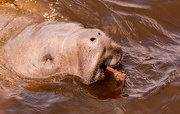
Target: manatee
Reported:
[(43, 49)]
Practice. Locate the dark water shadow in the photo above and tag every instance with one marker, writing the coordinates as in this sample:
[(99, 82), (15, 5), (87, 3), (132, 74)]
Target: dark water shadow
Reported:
[(109, 88)]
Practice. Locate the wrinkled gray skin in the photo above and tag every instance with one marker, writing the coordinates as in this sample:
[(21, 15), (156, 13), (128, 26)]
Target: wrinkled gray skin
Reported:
[(40, 50)]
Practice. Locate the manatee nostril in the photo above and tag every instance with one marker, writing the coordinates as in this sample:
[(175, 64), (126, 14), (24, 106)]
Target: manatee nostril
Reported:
[(93, 39)]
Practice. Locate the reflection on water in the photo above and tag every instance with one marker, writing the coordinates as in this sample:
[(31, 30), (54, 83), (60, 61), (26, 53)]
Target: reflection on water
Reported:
[(149, 34)]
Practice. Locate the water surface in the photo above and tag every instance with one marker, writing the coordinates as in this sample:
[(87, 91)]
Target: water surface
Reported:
[(149, 33)]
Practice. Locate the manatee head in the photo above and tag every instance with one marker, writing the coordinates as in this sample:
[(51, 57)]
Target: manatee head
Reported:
[(52, 48), (89, 51)]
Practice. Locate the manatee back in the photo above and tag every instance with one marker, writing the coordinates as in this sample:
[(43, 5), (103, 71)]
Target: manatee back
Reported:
[(12, 22)]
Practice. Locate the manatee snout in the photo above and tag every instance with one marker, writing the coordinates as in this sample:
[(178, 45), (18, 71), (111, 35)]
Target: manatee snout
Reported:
[(95, 51)]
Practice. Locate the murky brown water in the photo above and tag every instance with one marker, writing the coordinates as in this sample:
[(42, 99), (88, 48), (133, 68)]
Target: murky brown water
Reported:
[(149, 32)]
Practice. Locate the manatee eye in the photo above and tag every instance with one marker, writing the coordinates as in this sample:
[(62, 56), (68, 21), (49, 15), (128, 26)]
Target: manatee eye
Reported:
[(93, 39), (47, 57), (99, 33)]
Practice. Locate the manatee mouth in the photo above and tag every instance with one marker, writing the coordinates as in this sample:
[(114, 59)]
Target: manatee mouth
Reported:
[(101, 68)]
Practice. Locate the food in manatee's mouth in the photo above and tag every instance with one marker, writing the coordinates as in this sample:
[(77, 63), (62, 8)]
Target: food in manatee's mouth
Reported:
[(104, 66)]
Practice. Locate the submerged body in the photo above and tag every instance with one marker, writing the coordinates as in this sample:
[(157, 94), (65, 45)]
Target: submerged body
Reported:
[(40, 50)]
